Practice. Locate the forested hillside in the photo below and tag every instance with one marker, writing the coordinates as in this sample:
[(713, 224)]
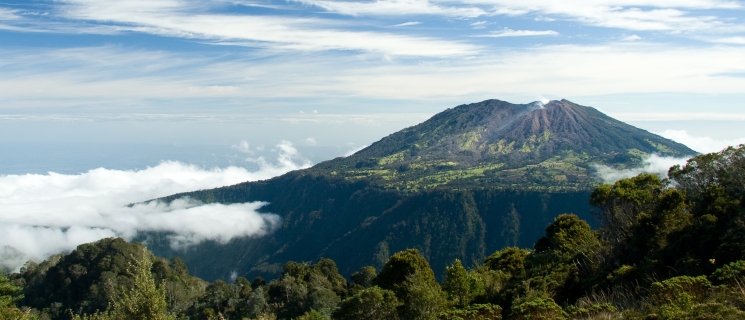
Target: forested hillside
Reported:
[(470, 180), (665, 249), (357, 224)]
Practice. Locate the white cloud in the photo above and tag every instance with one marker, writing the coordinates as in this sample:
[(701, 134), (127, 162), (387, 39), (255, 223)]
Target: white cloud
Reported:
[(676, 116), (184, 19), (729, 40), (8, 14), (625, 14), (653, 164), (632, 37), (46, 214), (243, 147), (354, 150), (289, 159), (540, 18), (89, 78), (406, 24), (660, 165), (479, 24), (395, 7), (701, 144), (506, 32), (310, 141)]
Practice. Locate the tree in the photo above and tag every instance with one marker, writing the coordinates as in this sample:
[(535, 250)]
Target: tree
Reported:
[(371, 303), (365, 276), (8, 309), (511, 228), (400, 266), (725, 169), (423, 298), (621, 203), (569, 235), (510, 260), (459, 284), (143, 301)]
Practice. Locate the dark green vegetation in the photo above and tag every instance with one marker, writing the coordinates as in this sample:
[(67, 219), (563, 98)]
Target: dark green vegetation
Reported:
[(469, 181), (666, 249)]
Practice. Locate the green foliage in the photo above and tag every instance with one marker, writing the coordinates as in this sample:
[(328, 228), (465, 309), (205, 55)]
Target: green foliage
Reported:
[(365, 276), (303, 287), (594, 311), (511, 228), (704, 172), (681, 288), (423, 297), (568, 236), (510, 260), (144, 300), (313, 315), (8, 297), (536, 308), (621, 204), (371, 303), (460, 286), (87, 280), (399, 267), (729, 273), (95, 275), (474, 312)]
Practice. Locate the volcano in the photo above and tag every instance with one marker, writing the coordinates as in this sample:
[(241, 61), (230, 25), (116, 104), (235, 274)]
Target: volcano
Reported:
[(468, 181), (535, 145)]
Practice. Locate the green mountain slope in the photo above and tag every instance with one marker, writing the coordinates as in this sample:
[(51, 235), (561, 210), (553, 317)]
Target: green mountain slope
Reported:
[(465, 183)]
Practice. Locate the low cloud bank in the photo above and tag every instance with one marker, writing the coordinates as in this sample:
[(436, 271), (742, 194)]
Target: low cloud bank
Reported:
[(41, 215), (653, 164), (660, 165), (701, 144)]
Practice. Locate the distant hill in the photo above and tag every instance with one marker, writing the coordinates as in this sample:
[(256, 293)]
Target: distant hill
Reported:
[(468, 181)]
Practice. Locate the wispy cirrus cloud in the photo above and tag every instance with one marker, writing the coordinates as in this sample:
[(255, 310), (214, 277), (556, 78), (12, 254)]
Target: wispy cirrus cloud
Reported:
[(194, 20), (8, 14), (506, 32), (121, 78), (674, 16), (396, 8), (406, 24)]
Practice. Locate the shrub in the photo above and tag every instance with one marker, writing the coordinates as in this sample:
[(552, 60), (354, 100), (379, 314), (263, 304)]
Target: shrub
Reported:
[(537, 308), (729, 273), (474, 312)]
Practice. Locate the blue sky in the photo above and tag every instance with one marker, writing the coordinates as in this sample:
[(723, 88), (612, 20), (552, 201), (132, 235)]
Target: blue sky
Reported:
[(350, 72)]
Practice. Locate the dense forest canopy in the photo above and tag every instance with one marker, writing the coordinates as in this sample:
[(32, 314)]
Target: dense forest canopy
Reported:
[(666, 249)]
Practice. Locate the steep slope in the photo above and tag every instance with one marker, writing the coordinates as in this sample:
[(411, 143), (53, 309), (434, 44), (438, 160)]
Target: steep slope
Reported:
[(463, 184)]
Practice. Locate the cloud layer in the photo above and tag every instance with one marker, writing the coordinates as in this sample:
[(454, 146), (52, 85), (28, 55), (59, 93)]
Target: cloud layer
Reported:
[(653, 164), (46, 214), (701, 144)]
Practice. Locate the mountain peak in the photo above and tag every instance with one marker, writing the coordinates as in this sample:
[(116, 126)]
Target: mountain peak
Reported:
[(553, 144)]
